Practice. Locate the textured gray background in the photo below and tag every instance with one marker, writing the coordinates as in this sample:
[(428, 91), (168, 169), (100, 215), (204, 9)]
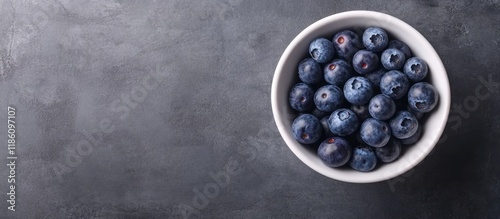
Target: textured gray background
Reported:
[(65, 65)]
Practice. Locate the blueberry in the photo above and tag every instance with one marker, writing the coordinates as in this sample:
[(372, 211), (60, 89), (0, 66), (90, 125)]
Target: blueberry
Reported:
[(375, 133), (381, 107), (322, 50), (363, 159), (416, 69), (306, 129), (375, 39), (310, 71), (334, 151), (301, 97), (414, 138), (361, 111), (343, 122), (337, 72), (422, 97), (374, 77), (326, 128), (396, 44), (365, 61), (389, 152), (403, 124), (346, 43), (328, 98), (392, 59), (358, 90), (394, 84)]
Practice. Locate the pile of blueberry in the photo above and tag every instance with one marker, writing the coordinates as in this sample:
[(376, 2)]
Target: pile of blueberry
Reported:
[(368, 92)]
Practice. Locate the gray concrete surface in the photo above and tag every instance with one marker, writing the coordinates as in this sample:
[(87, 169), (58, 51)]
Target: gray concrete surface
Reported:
[(130, 109)]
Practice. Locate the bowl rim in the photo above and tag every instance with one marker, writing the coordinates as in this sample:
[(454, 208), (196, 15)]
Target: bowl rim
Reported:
[(445, 86)]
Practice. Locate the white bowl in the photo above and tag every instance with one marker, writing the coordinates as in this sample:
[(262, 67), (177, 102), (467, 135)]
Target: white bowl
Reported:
[(285, 77)]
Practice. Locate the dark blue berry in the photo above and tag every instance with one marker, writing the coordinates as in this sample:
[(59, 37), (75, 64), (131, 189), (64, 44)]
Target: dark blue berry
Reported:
[(423, 97), (307, 129), (358, 90), (394, 84), (390, 152), (403, 124), (363, 159), (375, 133), (343, 122), (375, 39), (416, 69), (301, 97), (334, 151), (310, 71), (365, 61), (414, 138), (328, 98), (337, 72), (392, 59), (396, 44), (322, 50), (381, 107), (346, 43)]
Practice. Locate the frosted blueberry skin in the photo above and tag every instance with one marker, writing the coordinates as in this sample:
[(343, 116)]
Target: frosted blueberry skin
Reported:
[(365, 61), (343, 122), (346, 44), (374, 132), (403, 124), (337, 72), (358, 90), (390, 152), (321, 50), (415, 69), (301, 97), (307, 129), (310, 71), (334, 151), (328, 98), (392, 59), (423, 97), (394, 84), (414, 138), (399, 45), (363, 159), (381, 107), (375, 39)]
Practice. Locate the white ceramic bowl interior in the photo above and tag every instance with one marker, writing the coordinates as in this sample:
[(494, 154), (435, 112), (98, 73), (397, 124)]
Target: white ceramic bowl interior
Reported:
[(285, 77)]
